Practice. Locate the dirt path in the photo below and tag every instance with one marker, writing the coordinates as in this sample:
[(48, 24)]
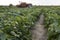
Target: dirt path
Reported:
[(39, 31)]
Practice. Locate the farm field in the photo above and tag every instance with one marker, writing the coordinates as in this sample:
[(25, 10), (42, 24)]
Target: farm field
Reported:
[(15, 23)]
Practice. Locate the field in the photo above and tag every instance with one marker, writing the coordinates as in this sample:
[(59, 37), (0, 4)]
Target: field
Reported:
[(15, 23)]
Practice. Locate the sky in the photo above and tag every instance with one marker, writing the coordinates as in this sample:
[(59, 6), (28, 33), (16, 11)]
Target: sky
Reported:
[(34, 2)]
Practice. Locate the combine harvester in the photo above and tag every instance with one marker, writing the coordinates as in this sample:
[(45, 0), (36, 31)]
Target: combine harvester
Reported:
[(24, 4)]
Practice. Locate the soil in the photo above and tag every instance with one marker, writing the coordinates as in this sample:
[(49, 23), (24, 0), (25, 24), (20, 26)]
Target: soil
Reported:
[(39, 32)]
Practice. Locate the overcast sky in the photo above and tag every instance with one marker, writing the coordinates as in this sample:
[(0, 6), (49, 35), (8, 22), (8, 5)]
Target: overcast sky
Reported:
[(34, 2)]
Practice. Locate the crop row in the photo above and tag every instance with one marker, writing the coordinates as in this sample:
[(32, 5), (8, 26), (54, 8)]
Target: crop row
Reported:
[(15, 22), (52, 22)]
